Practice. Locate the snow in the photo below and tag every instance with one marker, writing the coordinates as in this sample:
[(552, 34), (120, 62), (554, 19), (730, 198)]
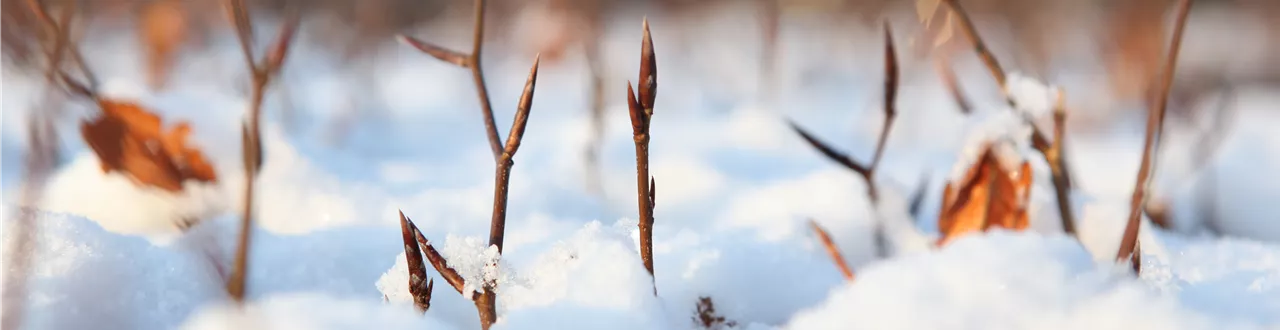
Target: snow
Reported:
[(736, 190), (1005, 281), (1030, 96)]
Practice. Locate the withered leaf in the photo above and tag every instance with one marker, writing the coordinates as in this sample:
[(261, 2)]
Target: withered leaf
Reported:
[(988, 196), (130, 140)]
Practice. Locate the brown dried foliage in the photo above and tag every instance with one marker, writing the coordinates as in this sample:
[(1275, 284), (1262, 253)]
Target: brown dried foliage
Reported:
[(988, 196), (707, 317), (1052, 150), (129, 139), (1155, 124)]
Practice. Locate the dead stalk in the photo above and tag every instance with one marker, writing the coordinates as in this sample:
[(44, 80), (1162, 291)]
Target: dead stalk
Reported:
[(1155, 123), (832, 250), (890, 113), (952, 84), (261, 73), (485, 300), (1051, 150), (470, 61), (641, 111)]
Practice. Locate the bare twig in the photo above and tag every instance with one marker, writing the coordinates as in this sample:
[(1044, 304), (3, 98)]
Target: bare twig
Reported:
[(470, 61), (952, 84), (485, 299), (832, 250), (419, 284), (979, 46), (1052, 150), (503, 176), (890, 113), (641, 111), (60, 46), (1155, 122), (261, 73)]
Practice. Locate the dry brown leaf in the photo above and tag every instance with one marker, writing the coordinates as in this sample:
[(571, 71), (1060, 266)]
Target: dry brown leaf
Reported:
[(988, 195), (129, 139)]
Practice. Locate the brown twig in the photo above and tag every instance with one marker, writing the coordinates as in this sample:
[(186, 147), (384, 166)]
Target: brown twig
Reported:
[(1052, 150), (832, 250), (890, 113), (261, 73), (952, 84), (419, 284), (979, 46), (641, 112), (1155, 122), (470, 61), (486, 299), (890, 95), (61, 46)]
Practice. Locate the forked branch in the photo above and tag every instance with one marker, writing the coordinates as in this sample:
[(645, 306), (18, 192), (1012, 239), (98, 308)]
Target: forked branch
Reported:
[(261, 73), (484, 299), (1155, 124), (470, 61), (890, 113)]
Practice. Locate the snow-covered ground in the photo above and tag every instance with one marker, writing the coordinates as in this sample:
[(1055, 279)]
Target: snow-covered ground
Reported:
[(737, 189)]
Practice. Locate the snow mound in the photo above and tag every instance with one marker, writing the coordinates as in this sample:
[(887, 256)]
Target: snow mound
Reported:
[(1003, 280), (310, 311), (83, 277)]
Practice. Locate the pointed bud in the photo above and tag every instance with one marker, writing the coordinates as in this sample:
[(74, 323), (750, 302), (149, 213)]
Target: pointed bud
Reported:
[(637, 112), (648, 82), (280, 48), (522, 111), (890, 72)]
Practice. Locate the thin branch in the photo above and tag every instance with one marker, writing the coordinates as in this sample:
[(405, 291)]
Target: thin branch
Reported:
[(440, 53), (830, 152), (832, 250), (890, 113), (62, 47), (419, 283), (1057, 167), (952, 84), (979, 46), (641, 113), (472, 61), (1155, 120), (497, 225), (260, 74)]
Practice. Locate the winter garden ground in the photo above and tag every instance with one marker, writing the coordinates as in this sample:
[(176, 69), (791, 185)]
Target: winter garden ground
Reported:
[(737, 188)]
